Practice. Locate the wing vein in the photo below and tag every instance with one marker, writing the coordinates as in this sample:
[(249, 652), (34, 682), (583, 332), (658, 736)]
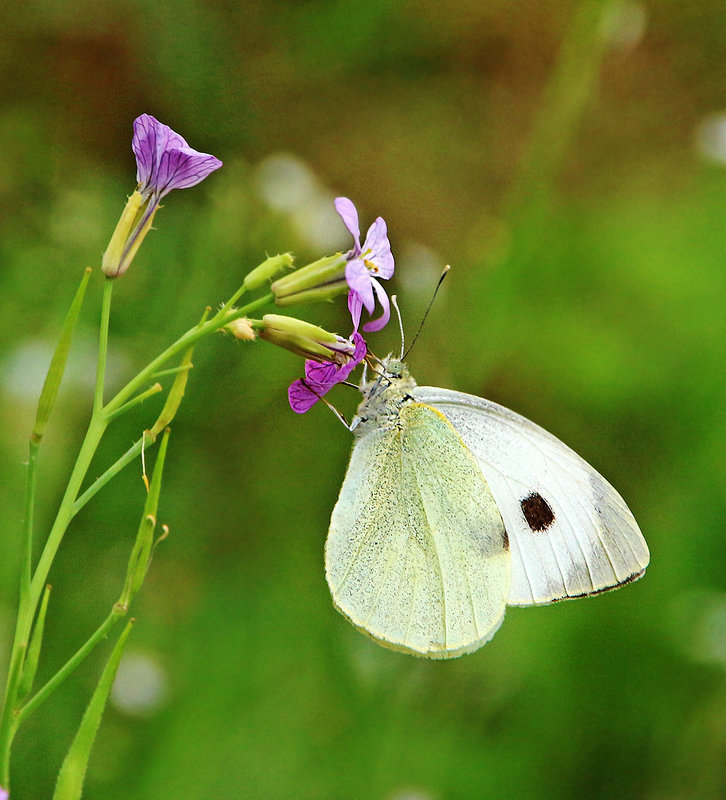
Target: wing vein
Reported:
[(363, 542), (429, 530)]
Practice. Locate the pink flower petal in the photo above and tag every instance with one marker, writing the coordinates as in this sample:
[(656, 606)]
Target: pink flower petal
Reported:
[(183, 168), (349, 215), (380, 248), (320, 378), (359, 281), (374, 260), (164, 160), (321, 373), (382, 321), (301, 397), (355, 306)]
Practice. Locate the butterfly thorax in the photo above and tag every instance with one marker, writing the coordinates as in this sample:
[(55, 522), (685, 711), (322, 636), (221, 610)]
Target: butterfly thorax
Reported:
[(391, 388)]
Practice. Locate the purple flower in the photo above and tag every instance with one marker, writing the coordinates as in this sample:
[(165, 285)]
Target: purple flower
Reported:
[(3, 794), (164, 160), (320, 378), (365, 265)]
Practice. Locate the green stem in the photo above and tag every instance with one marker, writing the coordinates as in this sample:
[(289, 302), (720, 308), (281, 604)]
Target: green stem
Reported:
[(7, 726), (152, 390), (72, 775), (27, 606), (71, 503), (27, 609), (103, 344), (117, 612), (27, 543), (235, 297), (112, 471), (95, 431), (163, 373), (193, 335)]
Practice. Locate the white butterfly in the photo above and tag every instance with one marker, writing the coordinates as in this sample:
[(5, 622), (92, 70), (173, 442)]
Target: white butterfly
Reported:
[(454, 507)]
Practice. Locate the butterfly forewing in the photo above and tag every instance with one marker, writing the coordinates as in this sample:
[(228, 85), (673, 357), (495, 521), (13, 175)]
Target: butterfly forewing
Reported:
[(417, 553), (570, 532)]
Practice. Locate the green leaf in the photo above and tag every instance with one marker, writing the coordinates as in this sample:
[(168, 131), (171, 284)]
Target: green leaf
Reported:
[(33, 656), (142, 551), (72, 775), (175, 396), (58, 362)]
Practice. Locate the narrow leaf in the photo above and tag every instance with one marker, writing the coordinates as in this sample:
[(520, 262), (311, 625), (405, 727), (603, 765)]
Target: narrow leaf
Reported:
[(31, 660), (72, 775), (58, 362), (142, 551), (176, 393)]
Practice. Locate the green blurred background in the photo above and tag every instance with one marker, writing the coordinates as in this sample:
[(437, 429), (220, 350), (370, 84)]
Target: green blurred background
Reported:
[(567, 159)]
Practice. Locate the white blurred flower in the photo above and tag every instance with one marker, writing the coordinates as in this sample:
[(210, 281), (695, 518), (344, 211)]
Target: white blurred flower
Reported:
[(419, 268), (709, 635), (411, 793), (23, 370), (141, 686), (710, 139), (284, 182), (625, 25), (698, 624), (318, 224)]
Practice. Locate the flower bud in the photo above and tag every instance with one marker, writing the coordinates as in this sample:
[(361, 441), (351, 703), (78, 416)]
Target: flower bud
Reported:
[(305, 339), (132, 227), (242, 329), (268, 269), (164, 162), (322, 280)]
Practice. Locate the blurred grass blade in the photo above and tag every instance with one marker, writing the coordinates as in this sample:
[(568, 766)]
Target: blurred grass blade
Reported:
[(528, 206), (566, 96), (73, 772), (58, 362), (33, 656)]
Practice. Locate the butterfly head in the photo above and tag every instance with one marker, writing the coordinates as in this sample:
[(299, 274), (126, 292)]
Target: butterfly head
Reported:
[(383, 396)]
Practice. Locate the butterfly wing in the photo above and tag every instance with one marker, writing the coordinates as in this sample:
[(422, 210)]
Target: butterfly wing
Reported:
[(416, 555), (570, 532)]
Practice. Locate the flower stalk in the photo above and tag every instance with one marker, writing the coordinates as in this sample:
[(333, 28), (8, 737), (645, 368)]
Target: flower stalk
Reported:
[(166, 162), (71, 502)]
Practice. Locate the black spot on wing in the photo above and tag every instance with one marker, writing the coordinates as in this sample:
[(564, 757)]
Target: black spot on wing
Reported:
[(537, 512)]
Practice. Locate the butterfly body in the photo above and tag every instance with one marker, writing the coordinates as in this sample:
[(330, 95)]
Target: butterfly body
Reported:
[(454, 507)]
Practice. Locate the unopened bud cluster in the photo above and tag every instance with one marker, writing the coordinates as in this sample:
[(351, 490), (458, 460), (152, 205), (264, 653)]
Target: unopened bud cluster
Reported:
[(322, 280)]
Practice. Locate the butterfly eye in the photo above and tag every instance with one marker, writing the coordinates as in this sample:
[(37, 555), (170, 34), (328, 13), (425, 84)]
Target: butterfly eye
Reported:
[(537, 512)]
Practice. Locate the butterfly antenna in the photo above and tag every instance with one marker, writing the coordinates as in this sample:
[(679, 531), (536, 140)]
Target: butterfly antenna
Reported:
[(444, 273), (394, 300)]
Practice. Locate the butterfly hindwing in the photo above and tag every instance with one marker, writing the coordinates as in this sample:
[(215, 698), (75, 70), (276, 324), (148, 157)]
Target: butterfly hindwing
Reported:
[(570, 532)]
